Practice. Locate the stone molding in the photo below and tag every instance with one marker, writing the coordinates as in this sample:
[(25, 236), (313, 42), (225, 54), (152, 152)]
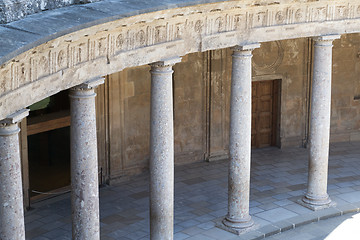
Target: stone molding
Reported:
[(86, 89), (166, 62), (15, 117), (90, 85), (9, 126), (247, 47), (325, 40), (86, 53)]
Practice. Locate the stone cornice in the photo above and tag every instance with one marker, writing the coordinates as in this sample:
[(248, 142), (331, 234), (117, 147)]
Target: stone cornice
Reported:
[(77, 43)]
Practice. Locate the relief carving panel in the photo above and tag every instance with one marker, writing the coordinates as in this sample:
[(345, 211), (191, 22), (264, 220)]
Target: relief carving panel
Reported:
[(269, 58)]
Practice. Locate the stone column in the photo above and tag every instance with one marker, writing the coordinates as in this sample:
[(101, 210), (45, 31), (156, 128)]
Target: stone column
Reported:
[(162, 151), (11, 193), (238, 217), (84, 162), (316, 196)]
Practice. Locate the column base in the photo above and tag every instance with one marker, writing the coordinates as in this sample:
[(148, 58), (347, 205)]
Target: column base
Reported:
[(316, 203), (235, 226)]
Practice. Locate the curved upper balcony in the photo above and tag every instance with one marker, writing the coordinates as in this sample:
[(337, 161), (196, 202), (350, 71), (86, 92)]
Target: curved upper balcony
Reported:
[(53, 50)]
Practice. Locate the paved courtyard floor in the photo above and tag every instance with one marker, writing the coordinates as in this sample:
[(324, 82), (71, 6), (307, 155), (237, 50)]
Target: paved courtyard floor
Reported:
[(345, 227), (278, 180)]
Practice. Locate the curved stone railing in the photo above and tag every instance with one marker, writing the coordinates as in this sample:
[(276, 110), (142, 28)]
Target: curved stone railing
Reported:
[(50, 51)]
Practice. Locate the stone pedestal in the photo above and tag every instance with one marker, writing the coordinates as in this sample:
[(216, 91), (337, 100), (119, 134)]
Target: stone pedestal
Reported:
[(316, 196), (238, 217), (162, 151), (11, 193), (84, 162)]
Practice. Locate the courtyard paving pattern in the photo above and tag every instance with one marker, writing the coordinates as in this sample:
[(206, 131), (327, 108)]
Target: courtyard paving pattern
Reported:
[(278, 181), (345, 227)]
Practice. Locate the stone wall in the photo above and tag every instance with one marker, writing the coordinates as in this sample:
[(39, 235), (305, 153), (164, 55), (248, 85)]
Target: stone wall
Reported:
[(202, 100), (345, 114)]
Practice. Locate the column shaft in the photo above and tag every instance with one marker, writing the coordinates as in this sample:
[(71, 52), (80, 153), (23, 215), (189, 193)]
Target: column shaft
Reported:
[(162, 151), (240, 139), (320, 123), (11, 194), (84, 163)]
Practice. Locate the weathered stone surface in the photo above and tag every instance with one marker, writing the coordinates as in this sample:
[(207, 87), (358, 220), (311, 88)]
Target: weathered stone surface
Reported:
[(320, 122), (11, 194), (238, 216), (92, 44), (84, 163), (162, 151)]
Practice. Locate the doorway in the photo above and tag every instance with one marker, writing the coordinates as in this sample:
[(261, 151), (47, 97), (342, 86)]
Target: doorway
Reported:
[(265, 101)]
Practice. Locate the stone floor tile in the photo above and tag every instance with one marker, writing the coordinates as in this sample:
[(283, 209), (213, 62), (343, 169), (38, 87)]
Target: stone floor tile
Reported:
[(180, 236), (66, 238), (297, 193), (207, 225), (264, 188), (33, 225), (57, 233), (260, 221), (275, 215), (117, 234), (281, 196), (31, 217), (284, 225), (136, 234), (200, 237), (350, 197), (328, 213), (347, 208), (268, 206), (219, 213), (283, 202), (188, 223), (298, 209), (303, 219), (255, 210), (297, 236), (41, 238), (192, 231), (345, 189), (218, 233)]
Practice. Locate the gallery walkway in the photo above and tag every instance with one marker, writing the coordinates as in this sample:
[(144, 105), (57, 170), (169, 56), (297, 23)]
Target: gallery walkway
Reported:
[(278, 180)]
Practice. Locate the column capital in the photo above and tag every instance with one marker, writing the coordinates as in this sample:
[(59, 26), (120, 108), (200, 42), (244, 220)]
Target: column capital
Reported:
[(15, 117), (166, 62), (326, 38), (91, 84), (8, 126), (246, 47)]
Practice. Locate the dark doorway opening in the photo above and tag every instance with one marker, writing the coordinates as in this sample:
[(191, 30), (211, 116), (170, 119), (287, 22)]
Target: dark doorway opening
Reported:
[(49, 160), (48, 131)]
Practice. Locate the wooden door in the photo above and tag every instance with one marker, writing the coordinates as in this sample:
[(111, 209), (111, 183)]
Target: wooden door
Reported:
[(264, 113)]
